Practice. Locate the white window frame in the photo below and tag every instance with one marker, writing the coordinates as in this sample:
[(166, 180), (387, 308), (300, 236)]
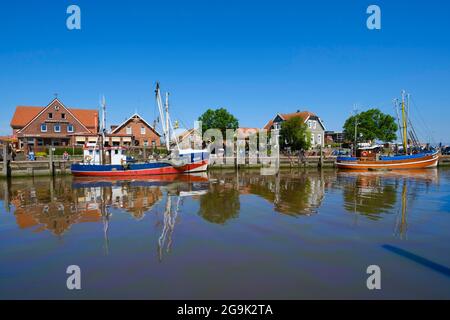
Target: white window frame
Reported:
[(143, 130), (70, 126), (54, 128), (128, 130), (46, 128), (314, 124), (312, 139), (319, 139), (309, 124)]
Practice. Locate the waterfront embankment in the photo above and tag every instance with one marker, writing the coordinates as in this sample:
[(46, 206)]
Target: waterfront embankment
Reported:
[(50, 167)]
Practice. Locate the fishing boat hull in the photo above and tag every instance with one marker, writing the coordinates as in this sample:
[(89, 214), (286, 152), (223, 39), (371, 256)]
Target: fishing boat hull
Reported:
[(419, 161), (144, 169)]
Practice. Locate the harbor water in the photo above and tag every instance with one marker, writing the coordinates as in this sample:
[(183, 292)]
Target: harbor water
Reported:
[(301, 234)]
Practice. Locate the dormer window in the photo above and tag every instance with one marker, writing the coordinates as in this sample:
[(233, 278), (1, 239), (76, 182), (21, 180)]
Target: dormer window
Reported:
[(43, 127), (50, 115)]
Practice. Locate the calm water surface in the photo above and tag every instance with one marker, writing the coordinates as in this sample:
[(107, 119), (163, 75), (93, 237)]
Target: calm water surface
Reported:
[(302, 234)]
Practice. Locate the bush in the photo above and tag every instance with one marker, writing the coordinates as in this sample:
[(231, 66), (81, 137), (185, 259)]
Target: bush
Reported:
[(71, 151), (41, 154)]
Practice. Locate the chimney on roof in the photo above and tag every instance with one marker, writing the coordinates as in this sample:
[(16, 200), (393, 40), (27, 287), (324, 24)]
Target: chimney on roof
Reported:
[(298, 111), (113, 127)]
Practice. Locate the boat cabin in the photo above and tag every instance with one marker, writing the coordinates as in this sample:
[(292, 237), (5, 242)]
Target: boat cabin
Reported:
[(369, 152), (113, 155)]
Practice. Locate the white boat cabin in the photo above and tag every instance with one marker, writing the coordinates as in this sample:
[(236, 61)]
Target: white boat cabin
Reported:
[(113, 155)]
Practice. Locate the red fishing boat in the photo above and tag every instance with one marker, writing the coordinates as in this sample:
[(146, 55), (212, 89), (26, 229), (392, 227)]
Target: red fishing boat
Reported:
[(179, 161), (370, 158)]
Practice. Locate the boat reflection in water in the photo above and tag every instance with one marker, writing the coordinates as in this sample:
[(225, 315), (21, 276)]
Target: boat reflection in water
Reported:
[(372, 194), (219, 236), (57, 204)]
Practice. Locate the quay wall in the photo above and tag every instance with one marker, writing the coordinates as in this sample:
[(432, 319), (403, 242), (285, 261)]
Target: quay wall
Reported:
[(62, 167)]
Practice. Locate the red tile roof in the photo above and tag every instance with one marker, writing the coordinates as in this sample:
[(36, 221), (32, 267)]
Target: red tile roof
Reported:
[(24, 114)]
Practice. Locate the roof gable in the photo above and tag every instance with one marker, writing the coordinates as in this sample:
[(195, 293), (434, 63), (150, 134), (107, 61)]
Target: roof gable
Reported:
[(134, 116), (305, 115), (25, 115)]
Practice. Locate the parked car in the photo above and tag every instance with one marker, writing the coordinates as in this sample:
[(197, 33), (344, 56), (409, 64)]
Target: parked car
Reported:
[(340, 152), (446, 151)]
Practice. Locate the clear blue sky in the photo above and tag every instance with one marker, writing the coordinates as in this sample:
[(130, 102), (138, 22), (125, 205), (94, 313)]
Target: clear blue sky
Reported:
[(255, 58)]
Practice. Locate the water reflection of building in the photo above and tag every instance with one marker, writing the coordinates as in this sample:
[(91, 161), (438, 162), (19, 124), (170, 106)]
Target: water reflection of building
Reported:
[(292, 193), (54, 205), (57, 204), (136, 200)]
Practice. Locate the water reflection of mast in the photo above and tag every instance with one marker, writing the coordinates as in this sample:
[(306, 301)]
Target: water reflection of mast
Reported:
[(105, 218), (169, 225), (402, 225)]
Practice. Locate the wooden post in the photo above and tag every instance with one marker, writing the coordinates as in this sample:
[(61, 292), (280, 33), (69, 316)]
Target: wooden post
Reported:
[(321, 157), (50, 161), (5, 170)]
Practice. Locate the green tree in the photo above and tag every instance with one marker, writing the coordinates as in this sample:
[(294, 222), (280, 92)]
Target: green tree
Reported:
[(295, 134), (218, 119), (372, 125)]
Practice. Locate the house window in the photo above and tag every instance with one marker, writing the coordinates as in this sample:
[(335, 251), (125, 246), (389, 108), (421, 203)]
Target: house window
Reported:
[(153, 143), (145, 143), (128, 130), (43, 127), (30, 141), (142, 130), (63, 115), (319, 139), (57, 128), (309, 124), (40, 142), (314, 124), (276, 125), (312, 139), (70, 128), (50, 115)]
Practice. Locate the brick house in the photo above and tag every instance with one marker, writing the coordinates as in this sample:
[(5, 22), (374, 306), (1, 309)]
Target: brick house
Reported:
[(54, 125), (143, 134), (314, 123)]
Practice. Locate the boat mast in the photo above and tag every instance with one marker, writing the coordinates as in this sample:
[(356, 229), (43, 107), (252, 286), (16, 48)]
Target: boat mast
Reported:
[(103, 103), (355, 109), (167, 122), (404, 122), (164, 118)]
